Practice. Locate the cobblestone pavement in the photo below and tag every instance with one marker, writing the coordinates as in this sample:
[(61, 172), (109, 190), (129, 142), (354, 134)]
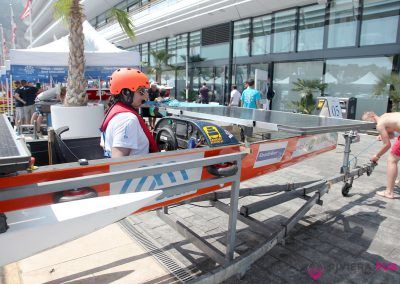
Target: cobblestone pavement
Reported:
[(347, 240)]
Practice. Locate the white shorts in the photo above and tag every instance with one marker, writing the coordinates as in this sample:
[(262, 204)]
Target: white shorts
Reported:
[(19, 114), (28, 112)]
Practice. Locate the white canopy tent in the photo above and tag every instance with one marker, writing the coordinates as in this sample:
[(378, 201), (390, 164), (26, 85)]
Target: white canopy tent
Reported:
[(368, 79), (53, 56)]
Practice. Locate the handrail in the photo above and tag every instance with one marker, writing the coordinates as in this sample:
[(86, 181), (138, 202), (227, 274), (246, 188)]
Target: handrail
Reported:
[(105, 178)]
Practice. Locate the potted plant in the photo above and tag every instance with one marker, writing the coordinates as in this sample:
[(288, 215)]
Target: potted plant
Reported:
[(306, 89), (75, 109), (389, 83)]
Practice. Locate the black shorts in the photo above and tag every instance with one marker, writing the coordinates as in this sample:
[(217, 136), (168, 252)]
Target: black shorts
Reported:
[(145, 112)]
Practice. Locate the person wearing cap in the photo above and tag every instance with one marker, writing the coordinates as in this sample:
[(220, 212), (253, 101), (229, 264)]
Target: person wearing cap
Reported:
[(124, 131), (250, 96)]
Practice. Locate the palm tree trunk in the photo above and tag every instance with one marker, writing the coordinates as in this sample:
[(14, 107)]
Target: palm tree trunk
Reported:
[(76, 84)]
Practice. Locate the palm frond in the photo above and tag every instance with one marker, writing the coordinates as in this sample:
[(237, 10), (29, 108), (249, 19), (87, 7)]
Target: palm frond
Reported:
[(124, 21), (62, 9)]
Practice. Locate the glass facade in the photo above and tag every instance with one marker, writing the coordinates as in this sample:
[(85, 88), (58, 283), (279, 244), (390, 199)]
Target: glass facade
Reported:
[(181, 48), (291, 44), (195, 43), (262, 35), (241, 41), (343, 23), (284, 31), (379, 16), (285, 74), (311, 27), (357, 77)]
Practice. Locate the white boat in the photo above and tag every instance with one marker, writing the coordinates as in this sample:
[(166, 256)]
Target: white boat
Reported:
[(36, 229)]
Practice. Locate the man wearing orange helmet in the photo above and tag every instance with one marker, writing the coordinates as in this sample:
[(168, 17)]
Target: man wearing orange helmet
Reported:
[(124, 132)]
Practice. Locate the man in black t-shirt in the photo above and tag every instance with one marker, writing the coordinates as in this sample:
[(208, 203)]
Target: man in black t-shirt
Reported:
[(30, 96), (19, 97)]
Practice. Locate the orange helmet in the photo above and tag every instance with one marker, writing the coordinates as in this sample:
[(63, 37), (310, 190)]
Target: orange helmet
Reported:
[(127, 78)]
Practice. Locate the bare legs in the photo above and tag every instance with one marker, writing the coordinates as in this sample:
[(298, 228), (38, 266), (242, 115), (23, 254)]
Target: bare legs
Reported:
[(392, 162), (39, 119)]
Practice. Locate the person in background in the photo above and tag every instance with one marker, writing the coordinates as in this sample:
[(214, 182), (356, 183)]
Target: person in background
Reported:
[(124, 131), (38, 114), (387, 124), (154, 92), (19, 103), (203, 93), (270, 94), (235, 97), (30, 95), (250, 96)]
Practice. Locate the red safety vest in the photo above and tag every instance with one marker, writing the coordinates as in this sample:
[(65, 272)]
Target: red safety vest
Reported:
[(120, 108)]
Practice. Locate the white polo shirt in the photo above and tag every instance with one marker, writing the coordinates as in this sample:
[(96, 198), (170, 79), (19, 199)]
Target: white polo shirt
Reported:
[(124, 131)]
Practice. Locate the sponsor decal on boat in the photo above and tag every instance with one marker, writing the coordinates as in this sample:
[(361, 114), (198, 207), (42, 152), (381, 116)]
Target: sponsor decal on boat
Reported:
[(314, 143), (158, 181), (270, 153)]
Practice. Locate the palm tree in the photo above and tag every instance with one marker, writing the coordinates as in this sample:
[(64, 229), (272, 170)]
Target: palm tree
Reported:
[(71, 11), (306, 88), (393, 81), (161, 59)]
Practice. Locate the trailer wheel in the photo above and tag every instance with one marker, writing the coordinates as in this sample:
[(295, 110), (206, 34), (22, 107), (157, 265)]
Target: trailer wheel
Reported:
[(223, 170), (346, 189), (3, 223), (75, 194)]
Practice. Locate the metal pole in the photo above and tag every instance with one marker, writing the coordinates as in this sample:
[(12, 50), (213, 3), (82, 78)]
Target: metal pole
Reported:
[(3, 55), (231, 234), (346, 156), (30, 26), (11, 97), (187, 77)]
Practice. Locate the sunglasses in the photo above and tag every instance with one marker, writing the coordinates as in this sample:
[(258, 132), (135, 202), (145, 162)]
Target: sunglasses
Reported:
[(142, 91)]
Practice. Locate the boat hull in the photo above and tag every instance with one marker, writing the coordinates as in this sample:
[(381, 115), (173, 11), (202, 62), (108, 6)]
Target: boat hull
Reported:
[(264, 157)]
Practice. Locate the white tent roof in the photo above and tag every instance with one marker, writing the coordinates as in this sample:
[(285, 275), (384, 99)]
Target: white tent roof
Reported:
[(330, 79), (98, 52), (283, 81), (367, 79)]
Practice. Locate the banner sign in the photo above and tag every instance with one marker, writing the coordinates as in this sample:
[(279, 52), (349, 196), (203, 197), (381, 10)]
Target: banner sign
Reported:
[(57, 73)]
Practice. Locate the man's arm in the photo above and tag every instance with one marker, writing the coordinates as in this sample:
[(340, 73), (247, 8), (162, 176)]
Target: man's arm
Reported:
[(385, 140), (18, 98), (259, 104)]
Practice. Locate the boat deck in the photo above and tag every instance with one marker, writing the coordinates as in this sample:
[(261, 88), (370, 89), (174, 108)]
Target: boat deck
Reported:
[(347, 237)]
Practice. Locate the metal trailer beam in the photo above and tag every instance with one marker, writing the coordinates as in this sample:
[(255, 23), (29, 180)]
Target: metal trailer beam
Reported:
[(275, 188), (303, 191), (103, 178), (242, 263), (194, 238)]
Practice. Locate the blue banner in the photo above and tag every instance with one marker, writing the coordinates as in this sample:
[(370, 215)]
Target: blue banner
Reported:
[(57, 73)]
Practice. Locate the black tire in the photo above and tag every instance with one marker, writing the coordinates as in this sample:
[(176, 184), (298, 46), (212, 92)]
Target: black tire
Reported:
[(3, 223), (87, 192), (166, 139), (346, 189), (222, 171)]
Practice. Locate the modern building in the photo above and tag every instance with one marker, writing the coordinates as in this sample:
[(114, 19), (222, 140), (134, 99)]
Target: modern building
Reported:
[(348, 44)]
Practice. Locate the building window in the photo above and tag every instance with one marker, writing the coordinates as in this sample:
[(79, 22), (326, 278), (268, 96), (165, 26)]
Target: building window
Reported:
[(145, 54), (181, 48), (156, 46), (285, 74), (195, 43), (356, 77), (259, 72), (241, 44), (240, 76), (284, 31), (262, 35), (311, 27), (379, 22), (343, 23), (172, 50)]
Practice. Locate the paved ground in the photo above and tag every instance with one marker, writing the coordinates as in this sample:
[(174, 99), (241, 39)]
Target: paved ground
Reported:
[(347, 240)]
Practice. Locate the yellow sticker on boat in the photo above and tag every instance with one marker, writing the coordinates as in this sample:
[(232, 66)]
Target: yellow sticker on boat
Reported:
[(213, 134)]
